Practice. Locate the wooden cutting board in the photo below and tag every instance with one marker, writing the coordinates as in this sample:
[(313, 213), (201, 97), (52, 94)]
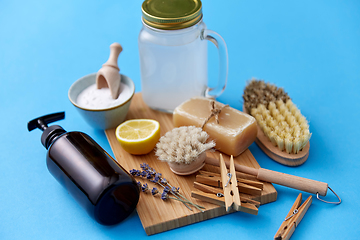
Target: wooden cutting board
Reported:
[(155, 214)]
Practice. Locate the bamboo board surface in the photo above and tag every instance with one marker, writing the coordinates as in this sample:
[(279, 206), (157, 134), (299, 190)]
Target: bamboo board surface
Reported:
[(155, 214)]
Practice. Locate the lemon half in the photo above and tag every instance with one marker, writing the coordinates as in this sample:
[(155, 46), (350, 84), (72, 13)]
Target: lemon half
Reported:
[(138, 136)]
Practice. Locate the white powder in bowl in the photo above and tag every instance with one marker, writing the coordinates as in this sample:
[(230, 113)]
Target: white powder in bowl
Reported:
[(93, 98)]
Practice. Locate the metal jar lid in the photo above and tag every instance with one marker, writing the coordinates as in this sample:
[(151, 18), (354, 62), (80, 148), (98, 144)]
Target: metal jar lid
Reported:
[(171, 14)]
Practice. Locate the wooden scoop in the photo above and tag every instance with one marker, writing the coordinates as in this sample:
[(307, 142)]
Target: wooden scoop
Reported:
[(108, 76)]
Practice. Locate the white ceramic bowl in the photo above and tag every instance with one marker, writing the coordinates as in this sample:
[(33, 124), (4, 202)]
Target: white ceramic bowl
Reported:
[(101, 118)]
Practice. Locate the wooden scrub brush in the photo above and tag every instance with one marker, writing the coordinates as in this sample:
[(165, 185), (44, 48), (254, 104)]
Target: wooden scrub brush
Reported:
[(184, 149), (283, 132)]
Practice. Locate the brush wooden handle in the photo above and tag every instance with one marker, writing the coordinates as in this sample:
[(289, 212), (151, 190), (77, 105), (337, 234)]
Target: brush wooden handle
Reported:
[(303, 184)]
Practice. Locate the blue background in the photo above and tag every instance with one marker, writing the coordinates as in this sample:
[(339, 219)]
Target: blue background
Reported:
[(311, 48)]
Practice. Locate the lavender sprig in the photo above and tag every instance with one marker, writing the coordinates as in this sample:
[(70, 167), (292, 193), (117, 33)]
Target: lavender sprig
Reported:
[(155, 177), (150, 174), (175, 192), (164, 195), (167, 190)]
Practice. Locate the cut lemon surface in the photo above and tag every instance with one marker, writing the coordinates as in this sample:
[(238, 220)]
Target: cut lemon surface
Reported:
[(138, 136)]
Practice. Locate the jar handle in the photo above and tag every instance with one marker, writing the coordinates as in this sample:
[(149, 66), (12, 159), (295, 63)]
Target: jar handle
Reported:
[(220, 44)]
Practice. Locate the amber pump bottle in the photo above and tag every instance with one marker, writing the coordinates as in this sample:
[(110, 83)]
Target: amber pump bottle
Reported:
[(98, 183)]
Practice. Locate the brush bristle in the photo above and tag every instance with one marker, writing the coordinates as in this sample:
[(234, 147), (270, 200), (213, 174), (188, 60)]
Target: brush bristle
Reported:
[(258, 92), (183, 144), (283, 124), (279, 119)]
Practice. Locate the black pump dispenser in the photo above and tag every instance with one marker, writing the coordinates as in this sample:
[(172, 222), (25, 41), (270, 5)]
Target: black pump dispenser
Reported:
[(97, 182), (49, 133)]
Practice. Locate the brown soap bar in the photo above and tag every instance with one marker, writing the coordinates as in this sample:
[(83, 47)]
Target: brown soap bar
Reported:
[(235, 132)]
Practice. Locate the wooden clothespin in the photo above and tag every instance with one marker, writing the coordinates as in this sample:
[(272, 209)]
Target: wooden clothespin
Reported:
[(293, 218), (251, 187), (216, 196), (231, 192)]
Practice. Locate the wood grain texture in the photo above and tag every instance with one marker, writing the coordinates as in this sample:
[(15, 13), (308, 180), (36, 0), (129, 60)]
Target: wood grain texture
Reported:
[(156, 215)]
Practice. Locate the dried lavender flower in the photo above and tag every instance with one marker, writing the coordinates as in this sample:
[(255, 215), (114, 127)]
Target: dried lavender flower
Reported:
[(163, 181), (144, 166), (167, 189), (138, 184), (174, 189), (156, 179), (133, 172), (164, 196), (154, 191), (144, 187)]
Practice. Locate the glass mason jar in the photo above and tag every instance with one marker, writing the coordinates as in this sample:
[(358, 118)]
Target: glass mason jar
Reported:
[(173, 54)]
